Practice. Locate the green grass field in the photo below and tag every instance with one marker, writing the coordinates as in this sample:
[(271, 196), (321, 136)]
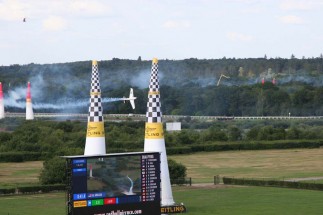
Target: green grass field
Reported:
[(26, 173), (199, 201), (49, 204), (278, 164), (251, 200)]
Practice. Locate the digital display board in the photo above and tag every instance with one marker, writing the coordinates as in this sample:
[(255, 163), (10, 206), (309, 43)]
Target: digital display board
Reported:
[(125, 183)]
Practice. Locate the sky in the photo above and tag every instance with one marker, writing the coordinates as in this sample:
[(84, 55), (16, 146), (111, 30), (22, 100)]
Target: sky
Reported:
[(59, 31)]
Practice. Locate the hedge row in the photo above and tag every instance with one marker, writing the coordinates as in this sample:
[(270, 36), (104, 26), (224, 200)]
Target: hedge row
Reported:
[(181, 181), (273, 183), (21, 156), (33, 156), (7, 190), (245, 146), (34, 189)]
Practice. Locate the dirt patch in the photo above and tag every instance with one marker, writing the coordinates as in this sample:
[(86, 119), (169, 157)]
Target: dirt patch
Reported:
[(305, 179)]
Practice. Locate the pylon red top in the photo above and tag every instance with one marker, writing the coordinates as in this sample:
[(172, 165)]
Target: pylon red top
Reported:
[(274, 81), (1, 93), (28, 92)]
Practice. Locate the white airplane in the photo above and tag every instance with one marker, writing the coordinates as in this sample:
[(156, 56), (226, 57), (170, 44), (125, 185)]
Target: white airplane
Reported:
[(131, 99)]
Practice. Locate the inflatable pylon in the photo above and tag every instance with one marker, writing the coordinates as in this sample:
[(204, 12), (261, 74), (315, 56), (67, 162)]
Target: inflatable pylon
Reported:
[(2, 114), (154, 134), (95, 135), (29, 106), (274, 81)]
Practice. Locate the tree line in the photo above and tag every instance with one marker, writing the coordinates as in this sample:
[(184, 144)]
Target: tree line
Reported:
[(68, 137), (188, 87)]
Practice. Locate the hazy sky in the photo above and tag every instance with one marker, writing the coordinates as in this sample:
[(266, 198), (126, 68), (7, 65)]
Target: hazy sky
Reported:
[(58, 31)]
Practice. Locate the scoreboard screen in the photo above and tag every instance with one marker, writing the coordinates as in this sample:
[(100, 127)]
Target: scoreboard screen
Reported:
[(125, 183)]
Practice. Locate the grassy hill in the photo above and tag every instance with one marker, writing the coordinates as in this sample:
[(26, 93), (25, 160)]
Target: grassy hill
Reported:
[(201, 199)]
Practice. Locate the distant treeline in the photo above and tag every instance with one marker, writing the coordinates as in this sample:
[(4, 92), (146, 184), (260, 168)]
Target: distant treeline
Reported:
[(188, 87)]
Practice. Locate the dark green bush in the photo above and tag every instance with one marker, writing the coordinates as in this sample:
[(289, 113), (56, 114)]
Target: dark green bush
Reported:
[(273, 183), (54, 171), (262, 145), (177, 172), (11, 157), (7, 190), (179, 150), (20, 156), (42, 188)]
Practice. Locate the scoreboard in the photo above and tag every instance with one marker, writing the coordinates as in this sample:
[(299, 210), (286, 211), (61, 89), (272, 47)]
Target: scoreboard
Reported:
[(124, 183)]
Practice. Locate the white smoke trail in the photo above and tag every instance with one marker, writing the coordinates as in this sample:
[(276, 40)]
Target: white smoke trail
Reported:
[(130, 192), (131, 186), (11, 102), (16, 98)]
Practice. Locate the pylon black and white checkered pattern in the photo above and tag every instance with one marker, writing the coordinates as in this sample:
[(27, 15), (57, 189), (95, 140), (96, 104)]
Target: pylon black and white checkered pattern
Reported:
[(95, 109), (154, 113), (95, 83), (154, 83)]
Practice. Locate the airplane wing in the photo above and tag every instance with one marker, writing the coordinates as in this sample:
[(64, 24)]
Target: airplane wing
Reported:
[(132, 99), (131, 93), (132, 102)]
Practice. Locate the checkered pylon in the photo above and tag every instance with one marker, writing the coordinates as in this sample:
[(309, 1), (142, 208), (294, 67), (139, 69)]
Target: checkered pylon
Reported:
[(154, 134), (154, 113), (95, 109)]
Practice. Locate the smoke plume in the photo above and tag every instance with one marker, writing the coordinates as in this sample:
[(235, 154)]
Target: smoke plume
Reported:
[(41, 99)]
